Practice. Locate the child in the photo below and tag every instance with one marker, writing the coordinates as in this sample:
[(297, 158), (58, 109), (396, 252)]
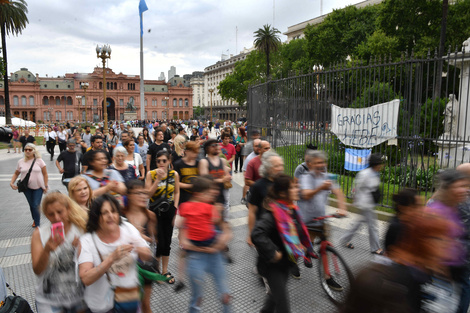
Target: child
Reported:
[(202, 242)]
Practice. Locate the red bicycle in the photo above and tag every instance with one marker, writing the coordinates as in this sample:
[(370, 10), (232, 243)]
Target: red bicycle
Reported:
[(332, 265)]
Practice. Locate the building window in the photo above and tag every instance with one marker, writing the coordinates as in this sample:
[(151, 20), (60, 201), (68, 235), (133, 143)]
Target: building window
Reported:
[(31, 101), (47, 116), (2, 101), (70, 115), (186, 102), (95, 102), (145, 104), (101, 85), (174, 102), (23, 100), (83, 116), (154, 102), (145, 115), (121, 102), (57, 101), (181, 102), (69, 100), (121, 116), (131, 86), (58, 115), (15, 101), (45, 101), (154, 115)]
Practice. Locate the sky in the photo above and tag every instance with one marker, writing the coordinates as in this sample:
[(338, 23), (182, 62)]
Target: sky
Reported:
[(62, 35)]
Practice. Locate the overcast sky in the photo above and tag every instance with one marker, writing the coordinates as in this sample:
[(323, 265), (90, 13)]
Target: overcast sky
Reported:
[(62, 35)]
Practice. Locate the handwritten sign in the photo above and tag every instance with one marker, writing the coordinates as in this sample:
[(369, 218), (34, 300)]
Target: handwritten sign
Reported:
[(366, 127)]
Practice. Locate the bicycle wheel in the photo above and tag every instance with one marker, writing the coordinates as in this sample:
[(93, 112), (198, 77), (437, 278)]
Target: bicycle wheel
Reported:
[(339, 271)]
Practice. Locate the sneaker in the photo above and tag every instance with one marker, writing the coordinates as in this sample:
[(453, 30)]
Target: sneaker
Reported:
[(236, 171), (294, 271), (333, 284), (308, 262)]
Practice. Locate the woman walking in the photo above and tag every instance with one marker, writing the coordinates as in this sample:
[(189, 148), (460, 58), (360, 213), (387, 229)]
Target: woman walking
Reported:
[(54, 256), (107, 259), (62, 137), (126, 170), (112, 140), (50, 140), (280, 237), (38, 179), (162, 184), (80, 191), (134, 159), (241, 141)]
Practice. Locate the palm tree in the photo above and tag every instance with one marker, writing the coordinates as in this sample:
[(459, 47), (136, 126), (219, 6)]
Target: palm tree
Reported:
[(13, 20), (267, 40)]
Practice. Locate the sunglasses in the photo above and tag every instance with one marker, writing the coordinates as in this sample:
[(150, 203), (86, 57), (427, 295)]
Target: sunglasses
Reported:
[(28, 150), (161, 161)]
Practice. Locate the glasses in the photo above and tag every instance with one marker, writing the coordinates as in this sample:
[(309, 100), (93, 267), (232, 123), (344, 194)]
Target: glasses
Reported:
[(161, 161), (28, 150), (139, 193)]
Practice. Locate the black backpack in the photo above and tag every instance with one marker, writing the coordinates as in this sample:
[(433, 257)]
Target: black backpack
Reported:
[(11, 304)]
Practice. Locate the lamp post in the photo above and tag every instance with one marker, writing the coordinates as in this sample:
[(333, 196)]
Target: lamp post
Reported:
[(50, 109), (85, 86), (167, 107), (79, 98), (211, 90), (104, 53)]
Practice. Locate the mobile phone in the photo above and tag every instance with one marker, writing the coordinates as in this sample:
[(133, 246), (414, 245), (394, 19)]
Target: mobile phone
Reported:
[(57, 230)]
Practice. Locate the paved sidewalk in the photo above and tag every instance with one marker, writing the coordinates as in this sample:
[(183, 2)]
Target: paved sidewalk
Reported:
[(306, 294)]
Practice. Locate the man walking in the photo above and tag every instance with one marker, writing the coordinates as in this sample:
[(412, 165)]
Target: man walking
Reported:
[(154, 148), (71, 159)]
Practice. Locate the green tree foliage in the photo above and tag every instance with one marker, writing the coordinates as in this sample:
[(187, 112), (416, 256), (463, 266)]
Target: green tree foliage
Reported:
[(339, 34), (13, 20), (458, 26), (267, 40)]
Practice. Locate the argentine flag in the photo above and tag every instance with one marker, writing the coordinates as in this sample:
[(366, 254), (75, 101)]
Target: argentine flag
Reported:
[(356, 160)]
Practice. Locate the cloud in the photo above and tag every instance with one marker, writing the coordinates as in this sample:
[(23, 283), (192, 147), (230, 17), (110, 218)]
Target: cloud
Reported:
[(62, 35)]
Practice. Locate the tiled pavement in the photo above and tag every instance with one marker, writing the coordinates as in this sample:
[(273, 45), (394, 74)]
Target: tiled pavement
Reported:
[(305, 294)]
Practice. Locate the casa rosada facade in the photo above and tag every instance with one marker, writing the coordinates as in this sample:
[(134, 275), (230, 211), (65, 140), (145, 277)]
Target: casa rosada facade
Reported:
[(47, 99)]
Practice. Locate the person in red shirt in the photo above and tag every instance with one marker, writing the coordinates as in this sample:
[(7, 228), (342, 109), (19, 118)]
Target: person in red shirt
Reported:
[(203, 243), (252, 170), (227, 148)]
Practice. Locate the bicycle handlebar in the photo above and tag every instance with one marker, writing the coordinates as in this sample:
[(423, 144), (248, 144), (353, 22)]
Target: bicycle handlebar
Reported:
[(336, 215)]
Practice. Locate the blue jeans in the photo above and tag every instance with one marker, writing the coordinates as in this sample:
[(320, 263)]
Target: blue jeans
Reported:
[(464, 292), (34, 197), (198, 264)]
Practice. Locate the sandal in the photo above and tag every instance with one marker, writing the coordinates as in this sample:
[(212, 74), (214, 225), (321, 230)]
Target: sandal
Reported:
[(350, 246), (170, 278), (381, 252)]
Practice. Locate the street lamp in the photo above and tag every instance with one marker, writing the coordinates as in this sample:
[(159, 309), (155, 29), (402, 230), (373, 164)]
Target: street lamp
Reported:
[(211, 90), (104, 53), (79, 98), (167, 107), (85, 86), (50, 109)]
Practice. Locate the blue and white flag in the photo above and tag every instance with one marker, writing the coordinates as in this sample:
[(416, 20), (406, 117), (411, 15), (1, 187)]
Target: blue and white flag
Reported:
[(142, 9), (356, 160)]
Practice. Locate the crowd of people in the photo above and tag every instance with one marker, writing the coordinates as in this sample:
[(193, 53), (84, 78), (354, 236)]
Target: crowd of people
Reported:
[(127, 192)]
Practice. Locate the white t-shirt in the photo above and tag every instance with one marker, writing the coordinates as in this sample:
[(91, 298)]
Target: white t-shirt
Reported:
[(136, 163), (50, 135), (62, 135), (123, 273), (59, 285)]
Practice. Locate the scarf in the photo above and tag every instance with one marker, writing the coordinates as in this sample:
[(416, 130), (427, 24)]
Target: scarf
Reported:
[(295, 240), (102, 180)]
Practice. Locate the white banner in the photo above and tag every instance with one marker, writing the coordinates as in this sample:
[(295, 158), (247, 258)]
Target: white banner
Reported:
[(366, 127)]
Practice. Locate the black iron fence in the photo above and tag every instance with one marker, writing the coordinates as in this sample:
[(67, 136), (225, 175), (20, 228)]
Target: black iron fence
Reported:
[(431, 129)]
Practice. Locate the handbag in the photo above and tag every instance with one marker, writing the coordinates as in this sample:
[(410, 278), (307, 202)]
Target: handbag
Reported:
[(162, 204), (125, 299), (23, 183)]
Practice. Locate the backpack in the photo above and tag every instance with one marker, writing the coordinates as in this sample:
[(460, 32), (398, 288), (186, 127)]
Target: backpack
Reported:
[(11, 304)]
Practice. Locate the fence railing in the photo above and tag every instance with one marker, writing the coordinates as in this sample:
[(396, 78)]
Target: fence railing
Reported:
[(431, 129)]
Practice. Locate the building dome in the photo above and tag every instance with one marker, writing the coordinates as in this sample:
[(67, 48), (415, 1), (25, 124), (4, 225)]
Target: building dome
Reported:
[(23, 73)]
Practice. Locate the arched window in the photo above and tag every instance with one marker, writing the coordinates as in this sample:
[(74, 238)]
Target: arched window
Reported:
[(174, 102), (101, 85), (181, 102), (57, 101), (23, 100), (15, 101), (115, 86), (31, 101), (186, 102)]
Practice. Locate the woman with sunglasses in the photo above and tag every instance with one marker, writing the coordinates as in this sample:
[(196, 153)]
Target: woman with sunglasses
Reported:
[(38, 180), (162, 185)]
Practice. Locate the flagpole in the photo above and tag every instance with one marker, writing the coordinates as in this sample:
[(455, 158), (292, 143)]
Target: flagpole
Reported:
[(142, 108)]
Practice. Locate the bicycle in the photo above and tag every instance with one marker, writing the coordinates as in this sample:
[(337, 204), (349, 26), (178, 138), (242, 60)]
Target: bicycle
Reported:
[(330, 258)]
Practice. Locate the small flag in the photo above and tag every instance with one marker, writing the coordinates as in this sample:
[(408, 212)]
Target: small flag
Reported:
[(356, 160), (142, 8)]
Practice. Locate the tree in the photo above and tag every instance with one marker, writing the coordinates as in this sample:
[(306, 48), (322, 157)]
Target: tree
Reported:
[(13, 20), (267, 40)]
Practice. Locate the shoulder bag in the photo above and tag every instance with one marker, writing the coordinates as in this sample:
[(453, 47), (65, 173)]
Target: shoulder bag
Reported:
[(161, 205), (23, 183)]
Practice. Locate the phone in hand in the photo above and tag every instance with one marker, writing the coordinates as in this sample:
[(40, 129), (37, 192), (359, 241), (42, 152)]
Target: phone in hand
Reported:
[(57, 230)]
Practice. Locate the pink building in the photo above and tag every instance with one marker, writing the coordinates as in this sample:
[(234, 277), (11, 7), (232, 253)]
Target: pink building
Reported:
[(48, 99)]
